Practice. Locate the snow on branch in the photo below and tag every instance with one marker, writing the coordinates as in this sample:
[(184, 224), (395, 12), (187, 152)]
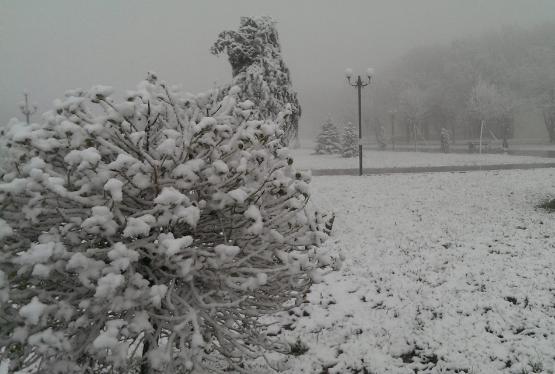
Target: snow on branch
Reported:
[(146, 233), (254, 54)]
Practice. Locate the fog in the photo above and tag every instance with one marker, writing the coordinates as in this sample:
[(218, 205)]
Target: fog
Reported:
[(200, 223), (47, 47)]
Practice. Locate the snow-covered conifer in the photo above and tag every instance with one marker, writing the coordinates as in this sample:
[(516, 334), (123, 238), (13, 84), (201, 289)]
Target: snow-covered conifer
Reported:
[(258, 68), (328, 141), (349, 141), (145, 234)]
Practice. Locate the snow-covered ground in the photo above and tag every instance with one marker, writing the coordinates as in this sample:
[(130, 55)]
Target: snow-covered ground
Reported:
[(445, 273), (306, 159), (533, 147)]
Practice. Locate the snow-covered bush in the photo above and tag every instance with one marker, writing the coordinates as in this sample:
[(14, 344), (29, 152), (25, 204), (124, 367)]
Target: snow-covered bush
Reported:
[(258, 68), (349, 143), (143, 234), (327, 141), (4, 154), (380, 136), (445, 140)]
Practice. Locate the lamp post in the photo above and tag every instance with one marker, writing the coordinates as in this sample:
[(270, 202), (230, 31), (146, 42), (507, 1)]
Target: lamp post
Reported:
[(359, 84), (26, 109)]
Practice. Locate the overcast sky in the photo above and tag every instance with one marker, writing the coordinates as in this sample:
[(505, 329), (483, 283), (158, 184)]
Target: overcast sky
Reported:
[(49, 46)]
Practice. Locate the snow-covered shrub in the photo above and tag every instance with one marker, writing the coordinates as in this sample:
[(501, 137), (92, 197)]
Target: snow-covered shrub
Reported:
[(445, 139), (349, 142), (380, 136), (258, 68), (4, 146), (327, 141), (548, 205), (143, 234)]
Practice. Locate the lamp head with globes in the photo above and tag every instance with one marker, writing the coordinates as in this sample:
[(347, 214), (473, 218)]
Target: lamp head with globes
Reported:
[(349, 74)]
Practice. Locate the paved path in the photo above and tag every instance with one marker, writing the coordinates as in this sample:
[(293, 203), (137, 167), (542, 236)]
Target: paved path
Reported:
[(431, 169)]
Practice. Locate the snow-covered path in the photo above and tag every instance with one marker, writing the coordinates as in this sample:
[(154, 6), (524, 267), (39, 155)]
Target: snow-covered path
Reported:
[(446, 273), (306, 159), (431, 169)]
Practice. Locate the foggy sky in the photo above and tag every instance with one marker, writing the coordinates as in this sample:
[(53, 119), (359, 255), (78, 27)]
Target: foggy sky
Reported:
[(47, 47)]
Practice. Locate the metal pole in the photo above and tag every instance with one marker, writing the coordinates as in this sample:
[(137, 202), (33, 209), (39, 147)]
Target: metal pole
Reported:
[(27, 111), (359, 84), (481, 131), (414, 134), (393, 130), (359, 87)]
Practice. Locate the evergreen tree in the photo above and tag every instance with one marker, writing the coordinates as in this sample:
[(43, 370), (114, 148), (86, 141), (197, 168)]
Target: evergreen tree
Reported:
[(258, 68), (349, 141), (328, 139), (144, 235)]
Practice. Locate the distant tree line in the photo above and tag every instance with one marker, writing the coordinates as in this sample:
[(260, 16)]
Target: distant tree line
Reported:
[(458, 86)]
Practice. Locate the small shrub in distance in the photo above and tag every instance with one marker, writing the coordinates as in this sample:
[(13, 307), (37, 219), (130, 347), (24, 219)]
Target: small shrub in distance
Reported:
[(349, 141), (445, 140)]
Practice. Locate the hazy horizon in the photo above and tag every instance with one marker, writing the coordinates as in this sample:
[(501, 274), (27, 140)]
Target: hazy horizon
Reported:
[(49, 47)]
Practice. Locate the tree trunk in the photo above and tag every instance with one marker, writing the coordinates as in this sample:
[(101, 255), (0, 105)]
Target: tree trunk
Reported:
[(145, 366)]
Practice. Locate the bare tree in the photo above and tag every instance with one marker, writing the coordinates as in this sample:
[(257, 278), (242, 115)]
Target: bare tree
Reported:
[(492, 108)]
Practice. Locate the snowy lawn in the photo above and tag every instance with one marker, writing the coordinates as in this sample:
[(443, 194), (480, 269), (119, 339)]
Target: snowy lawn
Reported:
[(445, 273), (305, 159)]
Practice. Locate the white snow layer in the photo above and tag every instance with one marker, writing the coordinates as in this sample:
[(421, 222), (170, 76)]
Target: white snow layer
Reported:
[(445, 273), (33, 311), (113, 186)]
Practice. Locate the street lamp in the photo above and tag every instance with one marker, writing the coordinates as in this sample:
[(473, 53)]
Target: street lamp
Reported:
[(26, 109), (359, 84)]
